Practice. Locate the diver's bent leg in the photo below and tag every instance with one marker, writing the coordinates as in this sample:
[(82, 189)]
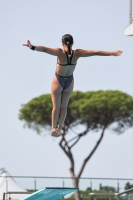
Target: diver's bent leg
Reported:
[(56, 100), (56, 93), (64, 103)]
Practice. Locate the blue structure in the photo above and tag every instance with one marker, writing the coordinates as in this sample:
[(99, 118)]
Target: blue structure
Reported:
[(50, 193)]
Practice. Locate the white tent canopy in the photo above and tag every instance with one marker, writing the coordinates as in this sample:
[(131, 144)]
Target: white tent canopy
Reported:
[(129, 29), (8, 184)]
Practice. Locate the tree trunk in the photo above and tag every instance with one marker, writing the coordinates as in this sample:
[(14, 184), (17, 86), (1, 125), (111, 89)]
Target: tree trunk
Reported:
[(76, 184)]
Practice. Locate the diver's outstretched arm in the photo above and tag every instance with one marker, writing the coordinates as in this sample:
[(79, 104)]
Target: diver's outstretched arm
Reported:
[(86, 53), (51, 51)]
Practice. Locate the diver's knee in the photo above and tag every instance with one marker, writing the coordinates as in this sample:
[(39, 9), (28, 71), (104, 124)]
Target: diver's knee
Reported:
[(55, 108)]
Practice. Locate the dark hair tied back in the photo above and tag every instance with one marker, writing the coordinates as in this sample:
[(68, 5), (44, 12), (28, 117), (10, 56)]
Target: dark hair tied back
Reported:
[(68, 40)]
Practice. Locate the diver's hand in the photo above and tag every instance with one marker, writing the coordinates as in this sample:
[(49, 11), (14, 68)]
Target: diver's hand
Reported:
[(117, 53), (28, 44)]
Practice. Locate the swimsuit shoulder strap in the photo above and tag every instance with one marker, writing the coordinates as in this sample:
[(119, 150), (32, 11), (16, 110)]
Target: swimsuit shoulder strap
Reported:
[(67, 58), (69, 61), (71, 57)]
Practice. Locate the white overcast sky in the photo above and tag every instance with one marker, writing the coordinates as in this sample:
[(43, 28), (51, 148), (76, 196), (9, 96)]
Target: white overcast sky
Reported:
[(25, 74)]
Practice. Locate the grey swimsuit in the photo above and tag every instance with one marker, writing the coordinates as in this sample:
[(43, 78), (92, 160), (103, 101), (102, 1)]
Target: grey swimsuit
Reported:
[(65, 81)]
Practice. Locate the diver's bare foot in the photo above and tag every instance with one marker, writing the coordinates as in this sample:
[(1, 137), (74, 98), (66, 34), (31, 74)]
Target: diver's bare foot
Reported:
[(59, 132), (54, 132)]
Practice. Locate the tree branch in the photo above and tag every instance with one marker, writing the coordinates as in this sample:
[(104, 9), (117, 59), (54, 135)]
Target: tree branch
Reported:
[(63, 147), (73, 138), (68, 153), (75, 142), (89, 156), (79, 136)]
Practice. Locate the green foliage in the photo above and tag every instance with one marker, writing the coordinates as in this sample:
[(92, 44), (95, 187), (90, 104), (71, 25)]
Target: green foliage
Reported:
[(96, 109), (103, 108), (37, 112), (128, 186), (107, 189)]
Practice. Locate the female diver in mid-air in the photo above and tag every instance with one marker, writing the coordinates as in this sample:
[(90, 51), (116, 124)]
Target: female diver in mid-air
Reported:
[(63, 81)]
